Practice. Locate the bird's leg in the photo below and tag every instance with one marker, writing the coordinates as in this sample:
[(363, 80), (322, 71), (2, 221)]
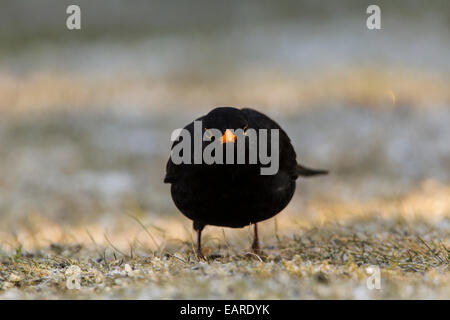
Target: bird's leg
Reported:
[(255, 246), (198, 227), (198, 250)]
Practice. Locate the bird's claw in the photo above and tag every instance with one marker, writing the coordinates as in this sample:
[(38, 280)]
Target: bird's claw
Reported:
[(199, 255)]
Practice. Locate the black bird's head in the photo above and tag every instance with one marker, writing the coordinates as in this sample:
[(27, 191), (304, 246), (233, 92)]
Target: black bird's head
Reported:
[(226, 119)]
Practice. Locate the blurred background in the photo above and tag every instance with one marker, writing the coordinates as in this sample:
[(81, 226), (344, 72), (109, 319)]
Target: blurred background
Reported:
[(86, 115)]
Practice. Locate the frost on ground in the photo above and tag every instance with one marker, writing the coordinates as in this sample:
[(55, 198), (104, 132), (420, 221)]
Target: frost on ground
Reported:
[(330, 261), (84, 212), (327, 252)]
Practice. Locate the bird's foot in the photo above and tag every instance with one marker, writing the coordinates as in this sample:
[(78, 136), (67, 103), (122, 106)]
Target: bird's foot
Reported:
[(256, 249), (199, 255)]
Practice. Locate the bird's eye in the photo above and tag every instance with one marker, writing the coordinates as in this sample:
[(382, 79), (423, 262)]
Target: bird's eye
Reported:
[(244, 128), (208, 133)]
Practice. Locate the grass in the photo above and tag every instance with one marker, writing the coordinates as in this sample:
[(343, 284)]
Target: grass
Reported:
[(72, 227), (323, 257)]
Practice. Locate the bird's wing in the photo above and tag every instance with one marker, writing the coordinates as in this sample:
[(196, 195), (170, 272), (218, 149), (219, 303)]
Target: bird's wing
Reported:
[(288, 157), (173, 170)]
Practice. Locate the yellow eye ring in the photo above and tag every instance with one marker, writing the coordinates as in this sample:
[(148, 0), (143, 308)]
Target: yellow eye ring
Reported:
[(208, 133)]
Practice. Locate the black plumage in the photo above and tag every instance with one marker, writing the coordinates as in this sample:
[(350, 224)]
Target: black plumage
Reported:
[(235, 195)]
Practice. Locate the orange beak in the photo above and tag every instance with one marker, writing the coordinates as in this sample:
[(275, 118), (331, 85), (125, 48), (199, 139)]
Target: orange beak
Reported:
[(228, 136)]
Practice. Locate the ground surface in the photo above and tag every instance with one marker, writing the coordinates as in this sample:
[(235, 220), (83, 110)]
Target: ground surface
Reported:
[(325, 254), (326, 262)]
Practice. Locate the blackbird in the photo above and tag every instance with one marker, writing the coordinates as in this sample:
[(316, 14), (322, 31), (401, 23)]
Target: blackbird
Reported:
[(234, 195)]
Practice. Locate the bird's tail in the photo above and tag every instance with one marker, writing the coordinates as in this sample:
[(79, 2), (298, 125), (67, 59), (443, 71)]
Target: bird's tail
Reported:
[(307, 172)]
